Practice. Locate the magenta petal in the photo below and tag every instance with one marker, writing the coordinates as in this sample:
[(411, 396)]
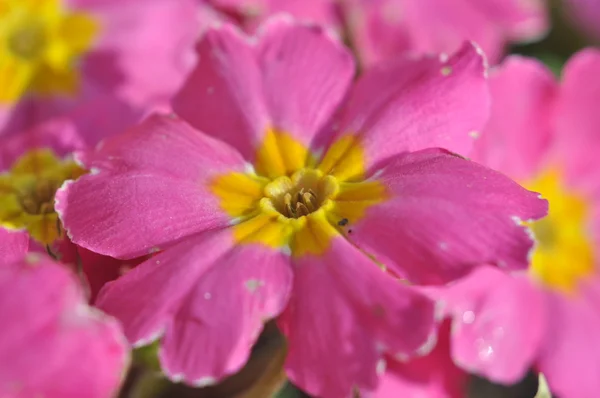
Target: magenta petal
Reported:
[(344, 305), (223, 95), (292, 79), (13, 245), (212, 333), (570, 356), (305, 74), (158, 34), (147, 187), (499, 322), (207, 297), (577, 117), (516, 139), (49, 332), (445, 216), (413, 104), (431, 376)]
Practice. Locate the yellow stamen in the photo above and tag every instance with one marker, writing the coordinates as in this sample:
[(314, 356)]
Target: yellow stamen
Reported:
[(294, 204)]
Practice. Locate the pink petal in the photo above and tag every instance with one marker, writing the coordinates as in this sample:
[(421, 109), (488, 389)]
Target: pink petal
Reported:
[(383, 29), (577, 117), (516, 139), (210, 299), (519, 20), (95, 114), (292, 80), (498, 326), (59, 134), (13, 245), (158, 34), (410, 105), (46, 322), (147, 188), (431, 376), (570, 355), (305, 74), (445, 216), (345, 305)]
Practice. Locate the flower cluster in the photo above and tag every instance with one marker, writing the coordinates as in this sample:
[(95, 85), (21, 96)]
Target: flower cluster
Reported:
[(189, 175)]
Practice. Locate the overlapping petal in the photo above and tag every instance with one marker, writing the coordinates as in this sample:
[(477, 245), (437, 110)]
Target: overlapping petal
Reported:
[(499, 323), (345, 299), (236, 90), (147, 188), (446, 215), (207, 297), (519, 133), (433, 376), (411, 104)]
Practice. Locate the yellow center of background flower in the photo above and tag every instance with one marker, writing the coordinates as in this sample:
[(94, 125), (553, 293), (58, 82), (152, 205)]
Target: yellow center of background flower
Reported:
[(564, 253), (40, 44), (295, 202), (27, 193)]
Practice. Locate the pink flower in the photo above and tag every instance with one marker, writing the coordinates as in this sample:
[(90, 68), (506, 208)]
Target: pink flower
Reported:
[(33, 165), (382, 29), (51, 343), (545, 135), (84, 58), (277, 197), (433, 376)]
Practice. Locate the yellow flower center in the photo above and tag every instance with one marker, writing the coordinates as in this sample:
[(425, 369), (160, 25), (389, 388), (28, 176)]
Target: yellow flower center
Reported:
[(27, 193), (294, 203), (564, 253), (40, 44)]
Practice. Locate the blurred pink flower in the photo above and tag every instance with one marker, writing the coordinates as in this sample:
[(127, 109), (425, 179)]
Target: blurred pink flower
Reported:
[(381, 29), (545, 134), (33, 165), (102, 61), (277, 197), (51, 343), (586, 15), (384, 29)]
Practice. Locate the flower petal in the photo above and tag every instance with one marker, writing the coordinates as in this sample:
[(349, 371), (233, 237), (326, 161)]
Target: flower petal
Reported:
[(158, 34), (446, 215), (499, 322), (517, 136), (47, 321), (305, 73), (291, 80), (413, 104), (210, 299), (13, 245), (431, 376), (577, 118), (147, 187), (570, 357), (345, 305)]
